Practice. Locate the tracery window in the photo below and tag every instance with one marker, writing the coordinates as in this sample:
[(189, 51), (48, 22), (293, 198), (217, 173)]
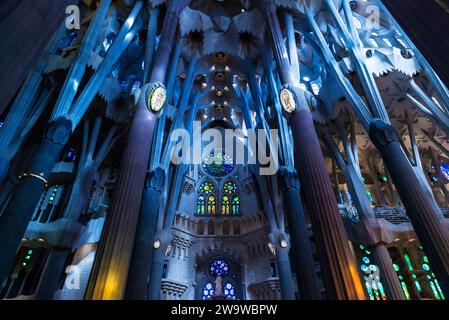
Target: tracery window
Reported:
[(219, 268), (206, 204), (201, 206), (211, 205), (230, 201), (218, 165)]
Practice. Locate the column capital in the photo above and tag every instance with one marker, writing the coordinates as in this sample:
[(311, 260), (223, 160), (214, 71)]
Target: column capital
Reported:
[(382, 134)]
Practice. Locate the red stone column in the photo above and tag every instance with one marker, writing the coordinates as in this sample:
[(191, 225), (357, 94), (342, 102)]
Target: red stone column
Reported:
[(421, 207), (338, 265), (337, 260), (111, 266)]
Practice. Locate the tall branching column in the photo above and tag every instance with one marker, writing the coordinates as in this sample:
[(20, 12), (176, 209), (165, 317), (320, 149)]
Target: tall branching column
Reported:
[(87, 172), (339, 268), (367, 228), (421, 208), (136, 288), (111, 266), (19, 210)]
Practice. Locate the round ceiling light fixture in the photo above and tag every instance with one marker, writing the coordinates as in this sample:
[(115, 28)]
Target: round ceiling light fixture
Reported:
[(156, 244), (283, 243)]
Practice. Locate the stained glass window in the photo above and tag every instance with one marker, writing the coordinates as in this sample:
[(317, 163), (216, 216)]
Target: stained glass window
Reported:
[(445, 170), (236, 205), (206, 203), (207, 188), (371, 276), (229, 291), (230, 187), (218, 165), (208, 291), (430, 276), (219, 267), (230, 201), (211, 205), (225, 207), (201, 205)]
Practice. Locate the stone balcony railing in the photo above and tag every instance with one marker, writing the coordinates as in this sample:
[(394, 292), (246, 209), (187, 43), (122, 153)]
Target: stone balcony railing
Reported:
[(393, 215)]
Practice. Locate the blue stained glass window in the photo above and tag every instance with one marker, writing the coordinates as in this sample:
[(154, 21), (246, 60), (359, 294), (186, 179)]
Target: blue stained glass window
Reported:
[(218, 165), (445, 170), (229, 291), (201, 206), (219, 268), (208, 291)]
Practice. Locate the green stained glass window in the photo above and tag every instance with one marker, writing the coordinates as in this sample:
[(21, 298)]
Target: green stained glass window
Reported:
[(231, 201), (230, 187), (405, 289), (201, 206), (370, 273), (207, 188), (408, 261)]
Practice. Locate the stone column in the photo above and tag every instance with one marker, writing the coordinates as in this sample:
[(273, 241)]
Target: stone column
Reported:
[(338, 265), (369, 232), (139, 270), (19, 210), (285, 274), (419, 204), (157, 268), (388, 275), (51, 275), (111, 266), (306, 273)]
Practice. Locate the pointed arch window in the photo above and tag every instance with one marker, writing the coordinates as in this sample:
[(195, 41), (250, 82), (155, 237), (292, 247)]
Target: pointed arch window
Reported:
[(230, 201), (206, 201), (211, 205), (201, 206)]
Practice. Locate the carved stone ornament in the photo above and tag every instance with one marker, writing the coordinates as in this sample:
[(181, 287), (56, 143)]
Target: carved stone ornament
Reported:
[(288, 99)]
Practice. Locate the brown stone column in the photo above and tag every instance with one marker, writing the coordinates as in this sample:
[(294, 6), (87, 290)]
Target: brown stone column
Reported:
[(338, 265), (421, 207), (111, 266)]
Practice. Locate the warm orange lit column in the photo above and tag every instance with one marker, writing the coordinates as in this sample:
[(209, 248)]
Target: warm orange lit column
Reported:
[(338, 266), (111, 266)]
